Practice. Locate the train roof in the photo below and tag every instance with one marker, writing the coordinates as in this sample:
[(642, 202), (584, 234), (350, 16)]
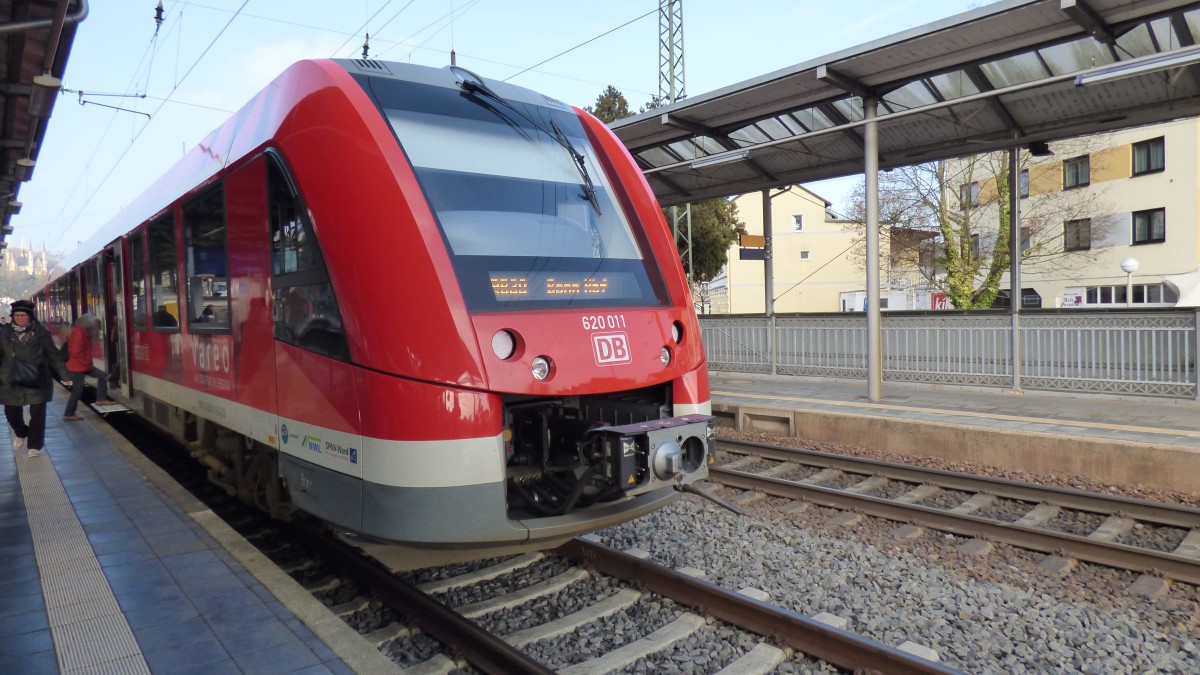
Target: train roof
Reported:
[(255, 124)]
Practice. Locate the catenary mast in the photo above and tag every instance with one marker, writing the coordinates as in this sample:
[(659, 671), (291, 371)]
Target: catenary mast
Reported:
[(670, 89)]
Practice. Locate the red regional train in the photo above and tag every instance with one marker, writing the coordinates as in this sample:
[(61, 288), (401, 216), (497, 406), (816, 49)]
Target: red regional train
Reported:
[(442, 314)]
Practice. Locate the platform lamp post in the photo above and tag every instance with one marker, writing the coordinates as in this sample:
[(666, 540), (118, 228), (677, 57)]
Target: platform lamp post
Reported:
[(1129, 265)]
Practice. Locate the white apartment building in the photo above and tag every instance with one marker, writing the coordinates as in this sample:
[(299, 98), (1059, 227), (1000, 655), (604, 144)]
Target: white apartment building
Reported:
[(1143, 190)]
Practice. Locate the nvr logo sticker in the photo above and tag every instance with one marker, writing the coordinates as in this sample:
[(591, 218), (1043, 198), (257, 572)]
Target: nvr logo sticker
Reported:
[(611, 349)]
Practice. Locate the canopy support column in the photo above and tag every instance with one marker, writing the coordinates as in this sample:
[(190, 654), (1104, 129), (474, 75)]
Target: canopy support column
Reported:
[(874, 320)]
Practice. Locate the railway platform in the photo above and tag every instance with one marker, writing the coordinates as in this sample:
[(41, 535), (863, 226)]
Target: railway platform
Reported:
[(111, 567), (1121, 441)]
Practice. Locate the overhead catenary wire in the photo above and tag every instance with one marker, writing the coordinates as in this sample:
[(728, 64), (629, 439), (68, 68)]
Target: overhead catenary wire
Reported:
[(448, 17), (568, 51), (150, 51), (162, 103), (358, 30)]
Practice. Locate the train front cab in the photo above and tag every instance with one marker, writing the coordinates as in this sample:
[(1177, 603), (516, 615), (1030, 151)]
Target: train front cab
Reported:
[(547, 237)]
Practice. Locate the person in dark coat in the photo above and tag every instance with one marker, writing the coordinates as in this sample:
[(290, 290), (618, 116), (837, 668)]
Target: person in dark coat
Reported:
[(26, 340), (79, 364)]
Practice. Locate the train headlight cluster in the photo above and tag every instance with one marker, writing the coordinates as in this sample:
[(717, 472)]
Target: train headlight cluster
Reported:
[(504, 344), (665, 356), (540, 367), (677, 332)]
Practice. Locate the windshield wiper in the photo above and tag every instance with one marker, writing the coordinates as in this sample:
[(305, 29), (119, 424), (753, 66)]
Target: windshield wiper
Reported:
[(589, 188), (473, 84)]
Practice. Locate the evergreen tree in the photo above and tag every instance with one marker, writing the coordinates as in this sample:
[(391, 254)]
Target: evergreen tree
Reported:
[(610, 106), (715, 228)]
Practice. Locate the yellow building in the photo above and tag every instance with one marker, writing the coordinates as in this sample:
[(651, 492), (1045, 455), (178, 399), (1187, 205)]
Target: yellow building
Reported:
[(816, 257), (1088, 207)]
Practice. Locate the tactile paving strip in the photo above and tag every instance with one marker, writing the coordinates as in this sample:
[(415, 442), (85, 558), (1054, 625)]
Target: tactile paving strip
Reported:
[(90, 633)]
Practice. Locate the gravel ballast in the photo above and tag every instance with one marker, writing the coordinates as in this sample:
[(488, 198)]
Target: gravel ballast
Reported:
[(999, 613)]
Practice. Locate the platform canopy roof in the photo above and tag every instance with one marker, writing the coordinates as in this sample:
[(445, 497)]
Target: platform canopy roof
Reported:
[(35, 41), (1009, 74)]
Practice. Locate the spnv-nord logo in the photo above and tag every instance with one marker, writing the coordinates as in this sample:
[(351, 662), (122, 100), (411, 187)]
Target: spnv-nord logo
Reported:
[(283, 433), (611, 349)]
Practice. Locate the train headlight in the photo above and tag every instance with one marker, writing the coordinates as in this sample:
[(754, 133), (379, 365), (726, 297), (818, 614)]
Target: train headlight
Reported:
[(665, 356), (540, 367), (677, 332), (504, 344)]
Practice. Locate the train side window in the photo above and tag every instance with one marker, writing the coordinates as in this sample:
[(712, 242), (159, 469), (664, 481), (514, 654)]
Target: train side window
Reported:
[(91, 293), (56, 313), (164, 274), (204, 237), (305, 308), (137, 281)]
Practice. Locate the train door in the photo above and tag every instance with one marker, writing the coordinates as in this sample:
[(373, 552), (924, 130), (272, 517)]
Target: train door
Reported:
[(317, 399), (116, 344)]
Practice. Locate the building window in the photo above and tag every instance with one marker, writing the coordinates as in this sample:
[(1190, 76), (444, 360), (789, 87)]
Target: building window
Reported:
[(975, 247), (798, 222), (1149, 226), (1026, 238), (1149, 156), (968, 195), (1023, 183), (805, 255), (164, 276), (928, 254), (1143, 294), (204, 251), (1077, 235), (1077, 172)]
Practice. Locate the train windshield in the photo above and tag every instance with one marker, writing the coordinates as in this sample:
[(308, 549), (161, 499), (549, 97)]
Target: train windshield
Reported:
[(527, 213)]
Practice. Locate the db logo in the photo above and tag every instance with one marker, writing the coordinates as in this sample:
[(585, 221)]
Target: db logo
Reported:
[(611, 349)]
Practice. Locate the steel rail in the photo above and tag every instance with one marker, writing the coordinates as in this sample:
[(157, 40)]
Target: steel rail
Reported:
[(812, 638), (1137, 509), (484, 651), (1169, 565)]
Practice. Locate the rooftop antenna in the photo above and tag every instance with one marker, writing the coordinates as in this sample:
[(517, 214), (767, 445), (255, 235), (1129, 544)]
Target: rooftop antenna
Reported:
[(366, 44), (453, 60)]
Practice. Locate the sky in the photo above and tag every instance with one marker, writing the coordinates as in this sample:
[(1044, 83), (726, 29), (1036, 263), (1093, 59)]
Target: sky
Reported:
[(176, 82)]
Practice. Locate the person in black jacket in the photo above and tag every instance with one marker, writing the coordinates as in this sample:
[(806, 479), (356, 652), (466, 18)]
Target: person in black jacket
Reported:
[(27, 355)]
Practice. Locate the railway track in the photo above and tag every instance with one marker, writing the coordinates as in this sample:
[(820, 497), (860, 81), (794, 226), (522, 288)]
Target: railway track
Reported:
[(1162, 541), (432, 616), (463, 630)]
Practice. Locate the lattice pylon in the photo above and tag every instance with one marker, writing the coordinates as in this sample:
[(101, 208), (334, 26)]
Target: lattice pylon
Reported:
[(671, 88), (671, 83)]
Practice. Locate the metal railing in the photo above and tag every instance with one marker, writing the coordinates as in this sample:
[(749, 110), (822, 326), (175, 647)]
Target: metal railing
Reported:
[(1145, 353)]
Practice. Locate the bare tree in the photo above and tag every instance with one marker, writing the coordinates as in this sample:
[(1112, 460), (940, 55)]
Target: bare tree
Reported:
[(950, 223)]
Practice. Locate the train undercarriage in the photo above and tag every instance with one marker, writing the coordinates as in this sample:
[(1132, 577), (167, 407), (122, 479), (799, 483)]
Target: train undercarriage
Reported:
[(565, 453), (574, 464)]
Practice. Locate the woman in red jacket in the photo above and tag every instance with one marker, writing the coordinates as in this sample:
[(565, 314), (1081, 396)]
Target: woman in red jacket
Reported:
[(80, 366)]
